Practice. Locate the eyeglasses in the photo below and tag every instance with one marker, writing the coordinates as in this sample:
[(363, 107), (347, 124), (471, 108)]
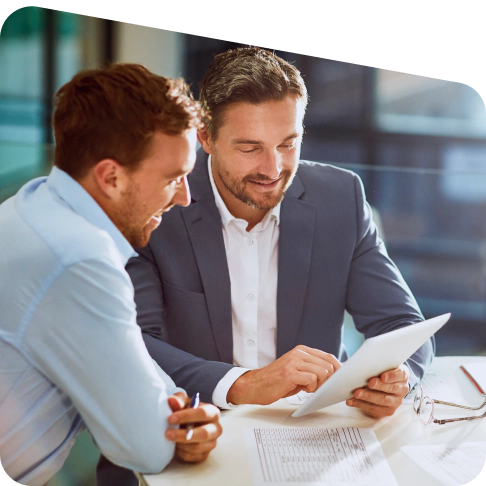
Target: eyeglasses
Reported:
[(423, 406)]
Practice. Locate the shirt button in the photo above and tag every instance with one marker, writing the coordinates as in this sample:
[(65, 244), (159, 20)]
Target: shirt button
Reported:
[(249, 241), (250, 342), (250, 297)]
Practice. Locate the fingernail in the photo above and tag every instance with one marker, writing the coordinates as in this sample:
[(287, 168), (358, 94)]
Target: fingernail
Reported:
[(170, 434), (359, 394), (349, 402), (172, 419)]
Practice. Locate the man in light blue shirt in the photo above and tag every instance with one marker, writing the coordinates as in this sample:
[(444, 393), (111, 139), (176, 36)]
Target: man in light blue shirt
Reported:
[(71, 353)]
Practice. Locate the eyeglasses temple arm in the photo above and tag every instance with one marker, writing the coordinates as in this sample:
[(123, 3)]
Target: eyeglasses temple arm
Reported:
[(446, 421), (460, 406)]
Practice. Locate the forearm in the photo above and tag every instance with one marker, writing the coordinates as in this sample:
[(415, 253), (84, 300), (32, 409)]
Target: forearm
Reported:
[(420, 361)]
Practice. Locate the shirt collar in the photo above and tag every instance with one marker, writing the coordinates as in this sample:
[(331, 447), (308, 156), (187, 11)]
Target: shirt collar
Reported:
[(75, 196), (226, 216)]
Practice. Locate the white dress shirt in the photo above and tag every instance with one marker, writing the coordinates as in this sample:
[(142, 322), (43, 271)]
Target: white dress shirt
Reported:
[(253, 268)]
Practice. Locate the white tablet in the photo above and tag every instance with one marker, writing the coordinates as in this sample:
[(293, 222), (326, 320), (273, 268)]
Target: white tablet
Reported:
[(376, 355)]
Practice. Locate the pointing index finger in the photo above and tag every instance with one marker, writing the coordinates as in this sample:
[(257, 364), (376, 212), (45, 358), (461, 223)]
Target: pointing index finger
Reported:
[(330, 358)]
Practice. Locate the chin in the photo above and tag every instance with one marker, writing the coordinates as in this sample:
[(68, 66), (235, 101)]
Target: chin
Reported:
[(266, 203), (140, 239)]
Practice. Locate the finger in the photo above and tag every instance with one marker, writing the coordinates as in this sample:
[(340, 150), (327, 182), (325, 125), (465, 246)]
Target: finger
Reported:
[(176, 402), (399, 388), (182, 395), (191, 457), (378, 398), (299, 359), (371, 408), (306, 381), (320, 354), (204, 413), (322, 372), (201, 433), (392, 376), (198, 447)]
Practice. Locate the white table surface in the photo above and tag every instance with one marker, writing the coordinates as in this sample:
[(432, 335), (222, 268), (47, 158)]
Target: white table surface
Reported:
[(228, 464)]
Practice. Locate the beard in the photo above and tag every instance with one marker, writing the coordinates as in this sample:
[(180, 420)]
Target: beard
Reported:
[(129, 217), (265, 201)]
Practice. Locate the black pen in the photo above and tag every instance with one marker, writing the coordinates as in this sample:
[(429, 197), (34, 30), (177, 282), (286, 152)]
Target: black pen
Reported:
[(190, 427)]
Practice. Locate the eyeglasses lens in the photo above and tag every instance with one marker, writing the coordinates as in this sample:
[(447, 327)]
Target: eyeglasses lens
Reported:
[(426, 410), (417, 399)]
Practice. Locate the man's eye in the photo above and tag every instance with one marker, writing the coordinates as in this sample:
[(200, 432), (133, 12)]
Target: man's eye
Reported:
[(248, 151)]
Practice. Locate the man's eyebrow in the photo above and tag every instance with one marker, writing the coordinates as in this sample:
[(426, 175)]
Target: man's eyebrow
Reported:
[(175, 175), (246, 141)]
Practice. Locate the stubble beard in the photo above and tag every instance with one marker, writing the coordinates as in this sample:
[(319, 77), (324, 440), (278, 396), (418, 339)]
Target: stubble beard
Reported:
[(266, 201), (127, 217)]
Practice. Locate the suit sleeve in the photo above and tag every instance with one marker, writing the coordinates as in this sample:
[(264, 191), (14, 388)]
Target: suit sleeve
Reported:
[(378, 297), (188, 371)]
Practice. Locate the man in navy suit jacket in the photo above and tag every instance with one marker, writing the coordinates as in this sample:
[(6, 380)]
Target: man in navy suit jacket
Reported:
[(241, 295)]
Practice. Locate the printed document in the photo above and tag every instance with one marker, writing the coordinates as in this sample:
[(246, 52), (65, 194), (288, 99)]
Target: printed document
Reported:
[(452, 466), (435, 388), (344, 456)]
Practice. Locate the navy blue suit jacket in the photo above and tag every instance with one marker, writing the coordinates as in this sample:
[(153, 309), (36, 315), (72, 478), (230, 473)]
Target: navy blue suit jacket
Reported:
[(331, 259)]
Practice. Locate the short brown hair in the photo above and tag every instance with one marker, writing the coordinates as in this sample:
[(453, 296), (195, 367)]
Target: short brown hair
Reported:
[(113, 112), (248, 74)]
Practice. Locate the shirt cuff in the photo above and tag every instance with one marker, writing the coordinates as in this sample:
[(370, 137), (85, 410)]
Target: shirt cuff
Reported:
[(412, 379), (222, 388)]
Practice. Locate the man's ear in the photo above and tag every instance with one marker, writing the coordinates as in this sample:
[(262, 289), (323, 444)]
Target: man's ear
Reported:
[(110, 178), (205, 140)]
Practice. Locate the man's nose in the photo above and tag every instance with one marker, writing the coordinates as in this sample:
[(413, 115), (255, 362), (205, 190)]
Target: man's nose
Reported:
[(271, 164), (182, 196)]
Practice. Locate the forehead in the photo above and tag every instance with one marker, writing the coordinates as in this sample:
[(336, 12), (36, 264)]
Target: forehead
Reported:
[(257, 120), (171, 154)]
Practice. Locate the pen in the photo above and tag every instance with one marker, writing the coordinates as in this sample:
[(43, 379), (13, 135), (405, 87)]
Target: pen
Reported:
[(190, 427), (474, 382)]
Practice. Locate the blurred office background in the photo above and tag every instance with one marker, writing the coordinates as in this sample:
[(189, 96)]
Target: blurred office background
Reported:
[(418, 143)]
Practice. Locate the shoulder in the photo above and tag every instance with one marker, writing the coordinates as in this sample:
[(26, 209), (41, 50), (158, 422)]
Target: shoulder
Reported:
[(65, 234), (325, 179), (311, 170)]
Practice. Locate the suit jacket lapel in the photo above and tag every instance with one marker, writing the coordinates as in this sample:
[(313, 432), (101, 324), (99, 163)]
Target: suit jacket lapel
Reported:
[(297, 221), (203, 224)]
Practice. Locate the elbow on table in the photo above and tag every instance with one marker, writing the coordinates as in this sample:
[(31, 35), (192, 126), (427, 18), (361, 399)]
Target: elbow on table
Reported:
[(145, 456)]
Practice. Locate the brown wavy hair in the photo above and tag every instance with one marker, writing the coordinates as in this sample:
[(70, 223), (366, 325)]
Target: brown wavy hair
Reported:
[(114, 112), (247, 74)]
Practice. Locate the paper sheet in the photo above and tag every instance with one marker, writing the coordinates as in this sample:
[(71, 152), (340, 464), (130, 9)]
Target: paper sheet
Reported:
[(344, 456), (299, 398), (435, 388), (451, 466), (478, 374)]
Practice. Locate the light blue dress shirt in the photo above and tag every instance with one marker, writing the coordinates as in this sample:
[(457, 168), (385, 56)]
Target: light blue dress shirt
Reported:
[(71, 353)]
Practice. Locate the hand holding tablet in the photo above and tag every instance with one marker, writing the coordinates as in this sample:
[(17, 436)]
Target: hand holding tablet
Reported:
[(377, 355)]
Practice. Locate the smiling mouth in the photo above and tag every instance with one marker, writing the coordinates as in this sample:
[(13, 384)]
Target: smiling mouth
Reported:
[(266, 183)]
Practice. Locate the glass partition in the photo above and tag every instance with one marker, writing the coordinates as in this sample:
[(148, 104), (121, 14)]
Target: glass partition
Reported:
[(434, 226)]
